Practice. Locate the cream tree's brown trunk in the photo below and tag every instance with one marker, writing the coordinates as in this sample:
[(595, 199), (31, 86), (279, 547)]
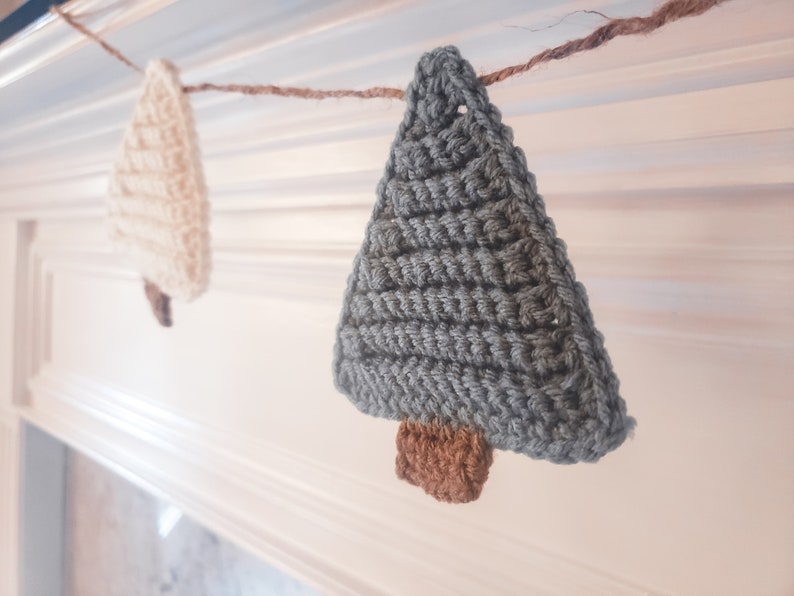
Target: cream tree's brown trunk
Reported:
[(160, 303), (450, 464)]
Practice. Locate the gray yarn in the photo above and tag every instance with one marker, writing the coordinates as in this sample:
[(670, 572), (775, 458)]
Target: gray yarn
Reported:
[(462, 306)]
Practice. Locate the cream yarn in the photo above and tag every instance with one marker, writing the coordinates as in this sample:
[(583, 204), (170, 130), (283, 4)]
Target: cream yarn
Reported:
[(157, 207)]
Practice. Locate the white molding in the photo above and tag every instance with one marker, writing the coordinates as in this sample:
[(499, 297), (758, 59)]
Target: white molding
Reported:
[(284, 507), (239, 485), (13, 248), (48, 40), (285, 518), (254, 157), (9, 504), (659, 293)]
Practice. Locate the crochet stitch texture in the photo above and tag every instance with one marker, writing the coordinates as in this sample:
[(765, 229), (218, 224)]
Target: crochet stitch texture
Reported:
[(462, 308), (157, 207)]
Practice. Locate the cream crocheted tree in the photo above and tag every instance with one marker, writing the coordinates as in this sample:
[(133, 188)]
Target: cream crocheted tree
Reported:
[(157, 207)]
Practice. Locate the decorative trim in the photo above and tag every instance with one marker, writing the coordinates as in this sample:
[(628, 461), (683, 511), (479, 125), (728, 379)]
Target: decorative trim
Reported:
[(259, 159), (9, 504), (52, 41), (655, 293), (272, 502)]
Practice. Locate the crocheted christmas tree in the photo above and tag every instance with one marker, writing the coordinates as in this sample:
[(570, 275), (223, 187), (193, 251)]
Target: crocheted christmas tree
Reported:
[(157, 206), (462, 317)]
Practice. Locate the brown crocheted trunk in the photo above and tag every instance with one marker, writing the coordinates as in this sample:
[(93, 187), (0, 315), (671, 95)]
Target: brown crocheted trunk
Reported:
[(450, 464), (160, 302)]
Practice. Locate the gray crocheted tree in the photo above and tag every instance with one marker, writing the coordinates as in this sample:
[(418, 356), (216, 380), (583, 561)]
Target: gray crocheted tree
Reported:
[(462, 317)]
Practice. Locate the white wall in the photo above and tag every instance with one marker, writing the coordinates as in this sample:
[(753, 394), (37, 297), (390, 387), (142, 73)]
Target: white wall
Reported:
[(666, 163)]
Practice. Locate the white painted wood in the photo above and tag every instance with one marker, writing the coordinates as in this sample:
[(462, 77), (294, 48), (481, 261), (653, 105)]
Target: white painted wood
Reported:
[(666, 163), (9, 504), (9, 424)]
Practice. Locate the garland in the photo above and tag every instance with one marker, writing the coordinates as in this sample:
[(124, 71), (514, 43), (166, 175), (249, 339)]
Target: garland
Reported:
[(462, 318), (670, 11)]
